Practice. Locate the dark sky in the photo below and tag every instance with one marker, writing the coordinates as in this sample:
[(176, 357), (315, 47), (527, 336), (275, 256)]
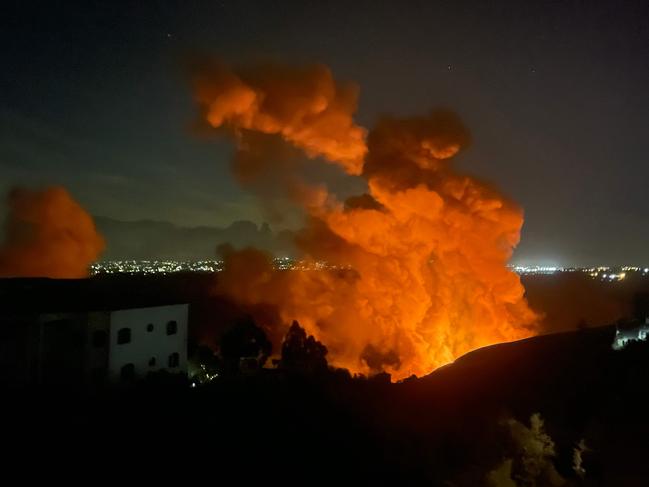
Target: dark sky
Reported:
[(556, 94)]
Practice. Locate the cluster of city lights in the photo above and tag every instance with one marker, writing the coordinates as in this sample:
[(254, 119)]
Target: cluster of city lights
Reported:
[(288, 264), (522, 270), (202, 266), (616, 273), (154, 267), (604, 273)]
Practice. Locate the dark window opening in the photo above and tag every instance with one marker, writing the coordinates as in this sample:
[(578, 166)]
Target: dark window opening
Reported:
[(149, 327), (152, 362), (127, 373), (123, 336), (99, 338), (174, 360), (172, 328)]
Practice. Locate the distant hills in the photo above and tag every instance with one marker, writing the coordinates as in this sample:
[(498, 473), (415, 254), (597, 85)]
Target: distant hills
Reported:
[(149, 239)]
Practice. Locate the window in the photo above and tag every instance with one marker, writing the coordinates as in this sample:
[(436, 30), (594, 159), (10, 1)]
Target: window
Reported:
[(124, 336), (99, 338), (152, 362), (127, 373), (174, 360), (172, 327), (149, 327)]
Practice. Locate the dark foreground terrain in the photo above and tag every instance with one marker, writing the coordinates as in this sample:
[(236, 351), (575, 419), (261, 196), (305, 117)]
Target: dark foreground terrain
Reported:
[(558, 409), (452, 427)]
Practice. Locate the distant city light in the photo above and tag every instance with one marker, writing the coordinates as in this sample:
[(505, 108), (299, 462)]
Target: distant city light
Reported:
[(201, 266), (288, 264), (519, 269), (599, 272), (154, 267)]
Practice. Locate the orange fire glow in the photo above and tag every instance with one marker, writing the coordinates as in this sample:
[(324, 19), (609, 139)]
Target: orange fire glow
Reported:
[(418, 270)]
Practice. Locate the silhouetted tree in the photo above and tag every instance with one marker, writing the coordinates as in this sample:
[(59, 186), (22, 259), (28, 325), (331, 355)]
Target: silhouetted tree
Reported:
[(244, 340), (302, 353)]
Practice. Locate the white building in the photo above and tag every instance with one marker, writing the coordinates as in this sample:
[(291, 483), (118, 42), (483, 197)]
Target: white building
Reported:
[(118, 346), (141, 340)]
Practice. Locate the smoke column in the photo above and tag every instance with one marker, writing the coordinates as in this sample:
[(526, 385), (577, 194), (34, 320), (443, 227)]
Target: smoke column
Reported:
[(417, 272), (304, 105), (48, 234)]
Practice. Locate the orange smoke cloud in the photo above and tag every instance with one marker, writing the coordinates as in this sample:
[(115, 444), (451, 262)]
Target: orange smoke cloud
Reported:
[(48, 234), (417, 271), (304, 105)]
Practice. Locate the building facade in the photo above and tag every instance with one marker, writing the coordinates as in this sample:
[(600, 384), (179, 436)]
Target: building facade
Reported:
[(144, 340), (117, 346)]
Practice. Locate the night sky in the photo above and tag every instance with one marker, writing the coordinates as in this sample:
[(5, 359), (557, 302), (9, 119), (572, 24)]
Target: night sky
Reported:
[(95, 97)]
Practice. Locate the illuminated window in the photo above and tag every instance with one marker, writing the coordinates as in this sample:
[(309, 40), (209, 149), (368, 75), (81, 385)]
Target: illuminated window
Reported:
[(172, 327), (174, 360), (124, 336)]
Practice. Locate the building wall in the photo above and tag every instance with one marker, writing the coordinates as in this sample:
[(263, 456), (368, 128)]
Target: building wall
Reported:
[(19, 360), (61, 346), (148, 350), (97, 347)]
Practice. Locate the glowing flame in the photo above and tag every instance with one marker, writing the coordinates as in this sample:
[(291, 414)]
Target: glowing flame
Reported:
[(419, 271)]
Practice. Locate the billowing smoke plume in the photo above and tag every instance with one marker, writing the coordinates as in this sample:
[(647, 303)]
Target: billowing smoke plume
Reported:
[(417, 267), (305, 106), (48, 234)]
